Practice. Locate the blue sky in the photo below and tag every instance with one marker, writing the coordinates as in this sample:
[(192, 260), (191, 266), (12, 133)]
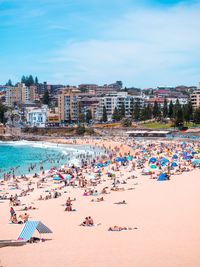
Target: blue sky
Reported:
[(144, 43)]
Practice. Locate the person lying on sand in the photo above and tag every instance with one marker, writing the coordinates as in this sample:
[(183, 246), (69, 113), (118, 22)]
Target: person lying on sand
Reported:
[(99, 199), (119, 228), (120, 202), (117, 189), (28, 208)]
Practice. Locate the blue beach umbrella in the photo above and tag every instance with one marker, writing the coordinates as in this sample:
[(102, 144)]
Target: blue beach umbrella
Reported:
[(152, 160), (163, 161), (99, 165), (175, 156), (57, 178), (174, 164), (184, 154), (120, 159), (162, 177), (129, 158)]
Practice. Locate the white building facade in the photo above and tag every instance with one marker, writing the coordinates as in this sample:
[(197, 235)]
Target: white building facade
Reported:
[(37, 117), (111, 101)]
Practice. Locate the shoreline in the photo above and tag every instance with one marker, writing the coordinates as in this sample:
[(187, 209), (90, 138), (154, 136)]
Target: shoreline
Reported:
[(77, 151)]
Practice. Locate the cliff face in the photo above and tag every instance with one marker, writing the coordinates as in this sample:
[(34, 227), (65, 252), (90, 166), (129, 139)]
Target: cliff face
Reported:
[(9, 138)]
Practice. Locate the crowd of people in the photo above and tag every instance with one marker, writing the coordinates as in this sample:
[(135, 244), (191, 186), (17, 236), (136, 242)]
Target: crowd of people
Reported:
[(92, 175)]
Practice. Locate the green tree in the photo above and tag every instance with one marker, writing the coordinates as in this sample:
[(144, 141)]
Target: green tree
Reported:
[(170, 110), (188, 112), (131, 106), (156, 110), (136, 111), (9, 83), (46, 98), (143, 114), (165, 109), (178, 114), (69, 117), (23, 79), (88, 116), (81, 115), (126, 122), (122, 110), (116, 114), (149, 111), (30, 80), (36, 80), (104, 116), (197, 116), (80, 130), (3, 109)]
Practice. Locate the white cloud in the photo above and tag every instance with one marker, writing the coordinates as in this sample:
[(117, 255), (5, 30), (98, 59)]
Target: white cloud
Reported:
[(146, 47)]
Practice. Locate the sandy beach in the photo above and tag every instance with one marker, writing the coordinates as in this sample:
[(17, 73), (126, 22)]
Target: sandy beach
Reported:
[(163, 215)]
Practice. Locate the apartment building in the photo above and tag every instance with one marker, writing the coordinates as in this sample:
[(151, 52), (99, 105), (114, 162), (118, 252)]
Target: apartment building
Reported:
[(68, 104), (110, 101), (19, 94), (10, 97), (195, 99)]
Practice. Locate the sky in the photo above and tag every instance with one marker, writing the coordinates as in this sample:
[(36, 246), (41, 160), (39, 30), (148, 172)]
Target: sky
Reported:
[(144, 43)]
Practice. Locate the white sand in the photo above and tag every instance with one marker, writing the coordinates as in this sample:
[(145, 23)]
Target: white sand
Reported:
[(165, 213)]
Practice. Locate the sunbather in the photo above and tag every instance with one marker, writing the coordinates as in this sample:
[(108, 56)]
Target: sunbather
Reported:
[(119, 228)]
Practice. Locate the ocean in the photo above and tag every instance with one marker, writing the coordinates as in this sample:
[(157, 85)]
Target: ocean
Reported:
[(20, 155)]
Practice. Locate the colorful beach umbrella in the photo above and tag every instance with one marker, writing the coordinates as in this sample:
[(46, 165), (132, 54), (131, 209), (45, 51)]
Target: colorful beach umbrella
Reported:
[(153, 166), (196, 162), (152, 160), (57, 178), (174, 164)]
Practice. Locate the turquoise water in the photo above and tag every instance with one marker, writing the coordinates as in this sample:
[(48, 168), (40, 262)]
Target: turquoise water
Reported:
[(19, 156)]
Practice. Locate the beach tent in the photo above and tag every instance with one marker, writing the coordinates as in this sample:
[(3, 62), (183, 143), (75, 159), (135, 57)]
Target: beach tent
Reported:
[(175, 156), (163, 161), (174, 164), (30, 227), (196, 162), (162, 177), (152, 160)]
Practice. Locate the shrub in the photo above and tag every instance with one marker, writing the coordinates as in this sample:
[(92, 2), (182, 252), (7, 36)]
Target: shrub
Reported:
[(80, 130)]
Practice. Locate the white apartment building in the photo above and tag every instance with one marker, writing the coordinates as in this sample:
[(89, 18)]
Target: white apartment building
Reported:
[(110, 101), (37, 117), (20, 94), (182, 100)]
